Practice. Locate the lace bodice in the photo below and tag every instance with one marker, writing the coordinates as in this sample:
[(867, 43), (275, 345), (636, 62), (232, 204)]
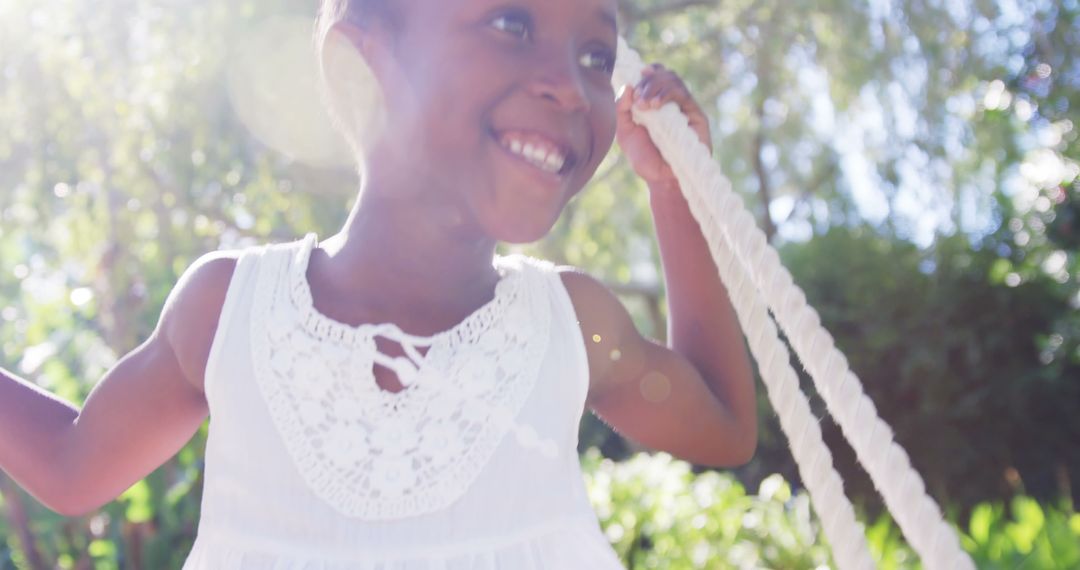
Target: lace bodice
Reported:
[(375, 454)]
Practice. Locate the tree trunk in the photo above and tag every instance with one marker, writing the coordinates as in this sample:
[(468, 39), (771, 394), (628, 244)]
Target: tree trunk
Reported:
[(764, 185), (20, 521)]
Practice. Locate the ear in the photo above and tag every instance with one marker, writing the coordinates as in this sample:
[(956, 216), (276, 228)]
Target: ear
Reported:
[(354, 92), (373, 41)]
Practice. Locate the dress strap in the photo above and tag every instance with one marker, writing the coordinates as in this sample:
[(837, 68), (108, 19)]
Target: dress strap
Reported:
[(243, 273)]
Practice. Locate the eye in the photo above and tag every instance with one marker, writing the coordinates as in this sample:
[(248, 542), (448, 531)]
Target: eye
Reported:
[(517, 24), (603, 60)]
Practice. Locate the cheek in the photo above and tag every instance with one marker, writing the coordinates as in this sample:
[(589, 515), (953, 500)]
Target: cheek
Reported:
[(453, 114), (603, 121), (446, 134), (440, 105), (605, 124)]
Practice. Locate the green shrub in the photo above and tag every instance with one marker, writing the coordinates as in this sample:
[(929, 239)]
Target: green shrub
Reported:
[(658, 514)]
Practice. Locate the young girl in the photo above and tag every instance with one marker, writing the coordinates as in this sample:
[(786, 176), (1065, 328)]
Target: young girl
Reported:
[(397, 396)]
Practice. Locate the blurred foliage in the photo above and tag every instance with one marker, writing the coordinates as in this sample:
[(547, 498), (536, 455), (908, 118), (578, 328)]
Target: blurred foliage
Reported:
[(955, 359), (916, 163), (657, 514)]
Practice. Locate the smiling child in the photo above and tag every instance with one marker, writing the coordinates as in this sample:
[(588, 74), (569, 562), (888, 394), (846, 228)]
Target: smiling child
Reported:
[(397, 396)]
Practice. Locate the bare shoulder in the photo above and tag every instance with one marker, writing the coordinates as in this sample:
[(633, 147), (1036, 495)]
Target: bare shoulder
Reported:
[(581, 285), (190, 317), (596, 305), (609, 332)]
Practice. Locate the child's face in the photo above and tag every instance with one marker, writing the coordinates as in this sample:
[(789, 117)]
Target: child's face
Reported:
[(477, 83)]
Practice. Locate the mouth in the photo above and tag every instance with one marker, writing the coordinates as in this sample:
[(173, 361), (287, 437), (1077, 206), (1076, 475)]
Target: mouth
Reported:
[(538, 150)]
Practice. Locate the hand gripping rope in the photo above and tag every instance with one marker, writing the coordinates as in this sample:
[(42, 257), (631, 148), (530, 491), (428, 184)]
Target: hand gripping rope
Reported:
[(750, 269)]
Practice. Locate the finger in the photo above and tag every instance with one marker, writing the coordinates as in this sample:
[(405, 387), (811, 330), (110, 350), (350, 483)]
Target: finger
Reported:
[(664, 86), (651, 89), (667, 75), (660, 96), (653, 97), (644, 88), (649, 75), (664, 92), (624, 119), (650, 86), (673, 90), (626, 99)]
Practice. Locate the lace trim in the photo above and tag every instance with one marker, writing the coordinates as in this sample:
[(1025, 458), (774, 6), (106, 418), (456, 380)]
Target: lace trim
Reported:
[(378, 455), (325, 327)]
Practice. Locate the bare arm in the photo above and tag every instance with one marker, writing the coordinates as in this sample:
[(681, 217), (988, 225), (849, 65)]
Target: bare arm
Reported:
[(656, 395), (136, 418), (695, 399)]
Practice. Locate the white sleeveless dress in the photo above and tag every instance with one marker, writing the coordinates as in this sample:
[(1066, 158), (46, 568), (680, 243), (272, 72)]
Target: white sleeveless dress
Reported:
[(473, 466)]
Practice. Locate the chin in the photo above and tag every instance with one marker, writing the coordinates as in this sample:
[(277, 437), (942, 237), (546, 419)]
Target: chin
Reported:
[(523, 232), (520, 229), (517, 213)]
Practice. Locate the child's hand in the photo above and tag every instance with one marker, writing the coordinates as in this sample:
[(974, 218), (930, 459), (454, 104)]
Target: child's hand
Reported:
[(657, 87)]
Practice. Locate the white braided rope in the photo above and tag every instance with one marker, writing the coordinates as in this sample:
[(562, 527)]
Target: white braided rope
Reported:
[(815, 462), (728, 226), (823, 482)]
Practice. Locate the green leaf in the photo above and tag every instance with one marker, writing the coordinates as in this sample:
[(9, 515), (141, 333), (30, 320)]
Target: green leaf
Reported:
[(139, 502)]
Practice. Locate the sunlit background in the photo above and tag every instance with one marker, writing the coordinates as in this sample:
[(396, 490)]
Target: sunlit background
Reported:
[(915, 162)]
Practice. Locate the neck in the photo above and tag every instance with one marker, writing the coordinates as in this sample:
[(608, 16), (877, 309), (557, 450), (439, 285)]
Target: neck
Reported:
[(423, 245)]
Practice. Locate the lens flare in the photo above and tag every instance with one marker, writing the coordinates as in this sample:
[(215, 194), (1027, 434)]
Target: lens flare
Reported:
[(272, 79)]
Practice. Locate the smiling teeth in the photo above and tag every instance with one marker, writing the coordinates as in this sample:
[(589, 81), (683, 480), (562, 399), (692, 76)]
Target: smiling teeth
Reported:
[(547, 159)]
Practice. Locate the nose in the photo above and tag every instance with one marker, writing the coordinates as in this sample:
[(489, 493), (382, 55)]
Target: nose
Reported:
[(558, 80)]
